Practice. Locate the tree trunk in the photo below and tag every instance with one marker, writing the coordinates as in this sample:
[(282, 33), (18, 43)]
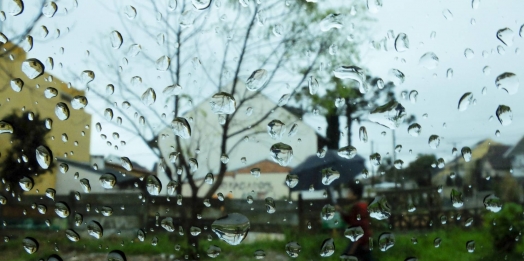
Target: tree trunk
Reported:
[(332, 131), (349, 116), (196, 208)]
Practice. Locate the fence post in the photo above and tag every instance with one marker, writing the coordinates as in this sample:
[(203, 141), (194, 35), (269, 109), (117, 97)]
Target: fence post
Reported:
[(72, 206), (300, 213)]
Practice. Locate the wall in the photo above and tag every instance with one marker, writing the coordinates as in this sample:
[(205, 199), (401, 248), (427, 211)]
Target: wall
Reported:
[(31, 99)]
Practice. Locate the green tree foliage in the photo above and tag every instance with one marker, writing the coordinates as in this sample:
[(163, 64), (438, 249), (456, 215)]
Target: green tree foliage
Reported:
[(421, 170), (338, 97), (20, 159), (505, 227)]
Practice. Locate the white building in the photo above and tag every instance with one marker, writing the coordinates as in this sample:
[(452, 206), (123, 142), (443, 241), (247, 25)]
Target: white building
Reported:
[(249, 145), (70, 180)]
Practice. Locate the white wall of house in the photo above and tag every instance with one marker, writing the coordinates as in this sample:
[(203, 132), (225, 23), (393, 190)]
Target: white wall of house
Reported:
[(517, 165), (206, 138), (66, 183), (266, 185)]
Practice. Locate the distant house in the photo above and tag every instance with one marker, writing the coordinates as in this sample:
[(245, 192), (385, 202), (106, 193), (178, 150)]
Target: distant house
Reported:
[(126, 181), (31, 98), (248, 147), (487, 163), (245, 182), (515, 155)]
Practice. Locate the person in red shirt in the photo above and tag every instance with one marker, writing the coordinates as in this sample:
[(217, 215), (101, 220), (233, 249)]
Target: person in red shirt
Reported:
[(357, 215)]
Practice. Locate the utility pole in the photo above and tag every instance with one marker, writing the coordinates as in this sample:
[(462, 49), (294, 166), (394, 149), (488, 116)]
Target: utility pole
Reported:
[(372, 168), (394, 158)]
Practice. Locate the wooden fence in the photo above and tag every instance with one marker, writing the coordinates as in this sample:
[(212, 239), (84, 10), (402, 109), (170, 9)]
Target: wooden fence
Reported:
[(133, 211)]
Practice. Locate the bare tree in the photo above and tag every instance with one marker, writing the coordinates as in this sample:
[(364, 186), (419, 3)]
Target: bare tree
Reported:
[(204, 53)]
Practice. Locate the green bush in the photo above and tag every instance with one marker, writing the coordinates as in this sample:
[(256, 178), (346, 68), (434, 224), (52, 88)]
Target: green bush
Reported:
[(505, 227)]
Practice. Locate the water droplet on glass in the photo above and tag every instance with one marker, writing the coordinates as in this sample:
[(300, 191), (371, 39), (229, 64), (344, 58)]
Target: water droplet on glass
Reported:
[(389, 115), (354, 233), (223, 103), (328, 248), (413, 96), (449, 73), (270, 205), (79, 102), (116, 255), (43, 156), (87, 76), (50, 193), (107, 180), (130, 12), (62, 210), (386, 241), (504, 114), (17, 84), (116, 39), (141, 235), (396, 76), (347, 152), (492, 203), (134, 50), (14, 7), (469, 54), (465, 101), (281, 153), (429, 61), (374, 5), (331, 21), (213, 251), (162, 63), (402, 43), (153, 185), (276, 129), (259, 254), (26, 183), (508, 82), (5, 127), (148, 97), (466, 153), (506, 35), (434, 141), (187, 18), (363, 134), (456, 198), (84, 183), (313, 85), (257, 80), (49, 9), (30, 245), (72, 235), (167, 224), (232, 228), (293, 249), (32, 68), (353, 73), (447, 14), (470, 246), (475, 4), (94, 229), (379, 208), (375, 159), (329, 175), (181, 128)]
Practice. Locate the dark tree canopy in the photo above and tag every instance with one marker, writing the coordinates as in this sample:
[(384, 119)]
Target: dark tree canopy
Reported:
[(26, 137)]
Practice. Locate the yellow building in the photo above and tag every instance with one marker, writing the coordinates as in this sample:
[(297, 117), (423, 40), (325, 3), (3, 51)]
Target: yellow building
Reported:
[(31, 98)]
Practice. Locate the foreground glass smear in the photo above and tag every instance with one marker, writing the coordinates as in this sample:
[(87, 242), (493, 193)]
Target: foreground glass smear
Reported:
[(240, 129)]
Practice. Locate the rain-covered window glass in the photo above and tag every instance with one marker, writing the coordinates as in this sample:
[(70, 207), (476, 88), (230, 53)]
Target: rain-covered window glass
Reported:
[(261, 129)]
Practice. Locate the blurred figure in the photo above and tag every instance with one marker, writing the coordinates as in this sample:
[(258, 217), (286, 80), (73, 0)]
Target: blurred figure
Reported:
[(356, 215)]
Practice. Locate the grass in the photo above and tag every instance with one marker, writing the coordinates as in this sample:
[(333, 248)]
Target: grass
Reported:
[(452, 247)]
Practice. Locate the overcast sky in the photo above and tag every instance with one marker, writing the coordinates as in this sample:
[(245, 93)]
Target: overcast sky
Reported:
[(86, 26)]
